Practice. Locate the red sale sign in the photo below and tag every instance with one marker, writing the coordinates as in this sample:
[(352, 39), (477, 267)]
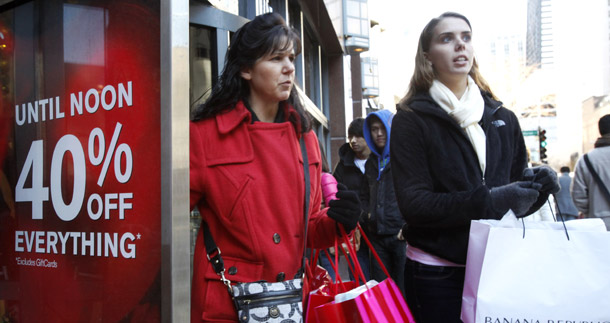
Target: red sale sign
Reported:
[(80, 219)]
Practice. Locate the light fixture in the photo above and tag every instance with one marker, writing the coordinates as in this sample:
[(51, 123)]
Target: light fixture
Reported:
[(356, 25)]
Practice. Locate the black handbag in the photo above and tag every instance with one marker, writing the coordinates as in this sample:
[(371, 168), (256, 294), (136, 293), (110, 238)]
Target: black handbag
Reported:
[(262, 301)]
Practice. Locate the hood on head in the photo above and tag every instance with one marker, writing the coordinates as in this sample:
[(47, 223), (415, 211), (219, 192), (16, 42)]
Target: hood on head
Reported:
[(386, 117)]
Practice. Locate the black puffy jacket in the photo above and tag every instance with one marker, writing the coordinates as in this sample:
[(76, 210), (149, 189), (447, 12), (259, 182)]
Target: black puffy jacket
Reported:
[(384, 217), (347, 173)]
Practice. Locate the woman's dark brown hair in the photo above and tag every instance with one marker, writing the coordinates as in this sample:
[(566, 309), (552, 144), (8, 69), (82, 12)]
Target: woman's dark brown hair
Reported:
[(264, 35)]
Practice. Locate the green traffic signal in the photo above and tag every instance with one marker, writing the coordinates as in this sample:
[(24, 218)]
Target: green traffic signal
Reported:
[(542, 144)]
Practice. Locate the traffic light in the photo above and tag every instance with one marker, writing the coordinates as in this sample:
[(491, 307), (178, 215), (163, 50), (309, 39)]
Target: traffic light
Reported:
[(542, 144)]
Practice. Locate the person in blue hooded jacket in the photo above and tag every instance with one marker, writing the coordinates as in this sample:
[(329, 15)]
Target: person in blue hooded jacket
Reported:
[(384, 220)]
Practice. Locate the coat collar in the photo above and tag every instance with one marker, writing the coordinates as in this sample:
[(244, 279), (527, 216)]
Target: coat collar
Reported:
[(232, 118), (347, 155), (232, 131), (424, 103)]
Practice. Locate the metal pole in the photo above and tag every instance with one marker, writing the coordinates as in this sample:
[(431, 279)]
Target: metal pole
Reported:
[(175, 238)]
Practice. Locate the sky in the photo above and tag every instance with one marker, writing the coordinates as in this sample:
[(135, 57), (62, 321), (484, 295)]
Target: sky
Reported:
[(402, 22)]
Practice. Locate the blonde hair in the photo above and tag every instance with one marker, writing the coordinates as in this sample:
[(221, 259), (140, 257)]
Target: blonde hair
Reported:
[(424, 73)]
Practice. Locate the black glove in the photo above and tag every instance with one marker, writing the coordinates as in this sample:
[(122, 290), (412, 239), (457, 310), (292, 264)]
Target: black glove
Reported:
[(517, 196), (346, 208), (543, 175)]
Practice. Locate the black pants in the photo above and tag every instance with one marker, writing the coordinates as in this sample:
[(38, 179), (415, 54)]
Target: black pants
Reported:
[(434, 293), (392, 253)]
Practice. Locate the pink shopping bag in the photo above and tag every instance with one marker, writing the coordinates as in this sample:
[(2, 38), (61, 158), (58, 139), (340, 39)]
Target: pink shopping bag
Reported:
[(381, 303), (323, 289)]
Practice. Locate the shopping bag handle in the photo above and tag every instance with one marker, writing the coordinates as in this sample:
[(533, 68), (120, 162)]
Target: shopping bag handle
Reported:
[(338, 281), (313, 256), (554, 217), (560, 215), (353, 265), (368, 243)]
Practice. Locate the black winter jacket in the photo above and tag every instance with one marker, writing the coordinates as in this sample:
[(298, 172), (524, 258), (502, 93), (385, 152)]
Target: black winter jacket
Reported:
[(437, 177), (384, 217), (347, 173)]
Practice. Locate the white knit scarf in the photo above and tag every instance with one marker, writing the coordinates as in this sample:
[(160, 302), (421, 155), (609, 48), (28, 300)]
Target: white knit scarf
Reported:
[(467, 112)]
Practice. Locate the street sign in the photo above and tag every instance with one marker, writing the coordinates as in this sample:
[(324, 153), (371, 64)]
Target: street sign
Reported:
[(530, 132)]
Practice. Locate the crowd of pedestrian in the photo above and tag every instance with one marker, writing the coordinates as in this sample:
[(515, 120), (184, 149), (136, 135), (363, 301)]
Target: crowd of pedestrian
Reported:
[(414, 180)]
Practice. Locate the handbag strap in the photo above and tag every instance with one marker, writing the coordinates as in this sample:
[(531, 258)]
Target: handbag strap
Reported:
[(213, 252), (597, 178), (307, 193)]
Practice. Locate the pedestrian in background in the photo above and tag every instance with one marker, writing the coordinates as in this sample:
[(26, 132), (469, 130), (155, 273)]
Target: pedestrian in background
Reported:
[(565, 205), (457, 156), (247, 173), (383, 221), (587, 192), (350, 172), (329, 193)]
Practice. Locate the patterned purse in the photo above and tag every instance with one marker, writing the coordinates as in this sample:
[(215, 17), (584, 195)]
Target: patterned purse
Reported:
[(262, 301), (269, 302)]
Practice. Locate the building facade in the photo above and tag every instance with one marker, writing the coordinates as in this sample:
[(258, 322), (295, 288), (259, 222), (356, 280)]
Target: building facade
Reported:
[(593, 109)]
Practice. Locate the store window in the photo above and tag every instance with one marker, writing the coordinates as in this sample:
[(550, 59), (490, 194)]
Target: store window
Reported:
[(202, 62), (311, 55), (80, 154), (202, 76)]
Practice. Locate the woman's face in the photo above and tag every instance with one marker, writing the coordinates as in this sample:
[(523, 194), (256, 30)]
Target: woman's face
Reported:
[(451, 52), (272, 76)]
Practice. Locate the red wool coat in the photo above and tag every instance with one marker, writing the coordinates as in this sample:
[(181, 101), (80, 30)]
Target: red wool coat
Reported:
[(247, 182)]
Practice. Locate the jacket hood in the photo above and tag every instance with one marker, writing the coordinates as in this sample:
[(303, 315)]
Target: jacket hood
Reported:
[(383, 157), (347, 155), (386, 117), (603, 141)]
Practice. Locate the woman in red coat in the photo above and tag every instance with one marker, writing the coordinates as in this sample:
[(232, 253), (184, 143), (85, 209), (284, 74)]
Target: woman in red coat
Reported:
[(246, 171)]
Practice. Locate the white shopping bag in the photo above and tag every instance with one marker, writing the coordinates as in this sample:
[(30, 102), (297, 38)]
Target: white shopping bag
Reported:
[(537, 274)]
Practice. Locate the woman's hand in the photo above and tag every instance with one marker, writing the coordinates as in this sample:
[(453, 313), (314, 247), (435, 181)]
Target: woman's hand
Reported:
[(346, 208), (517, 196), (543, 175)]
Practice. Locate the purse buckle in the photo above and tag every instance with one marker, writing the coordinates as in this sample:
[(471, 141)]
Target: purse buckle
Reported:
[(219, 267)]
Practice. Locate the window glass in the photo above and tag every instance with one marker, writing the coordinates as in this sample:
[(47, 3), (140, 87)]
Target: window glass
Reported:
[(80, 154), (312, 69), (201, 62)]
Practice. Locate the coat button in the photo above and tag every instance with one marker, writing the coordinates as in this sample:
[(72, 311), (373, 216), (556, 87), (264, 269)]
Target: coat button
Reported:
[(281, 276), (233, 270), (276, 238)]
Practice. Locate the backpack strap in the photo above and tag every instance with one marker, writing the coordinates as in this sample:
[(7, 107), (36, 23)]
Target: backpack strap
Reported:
[(597, 178)]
